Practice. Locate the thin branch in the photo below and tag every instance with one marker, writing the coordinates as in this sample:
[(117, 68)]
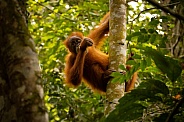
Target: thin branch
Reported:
[(171, 4), (58, 14), (128, 43), (153, 8), (142, 12), (145, 11), (131, 1), (38, 3), (175, 109), (165, 9)]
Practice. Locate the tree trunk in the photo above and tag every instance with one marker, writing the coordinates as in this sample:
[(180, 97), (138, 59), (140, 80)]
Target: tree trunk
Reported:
[(117, 51), (21, 92), (176, 44)]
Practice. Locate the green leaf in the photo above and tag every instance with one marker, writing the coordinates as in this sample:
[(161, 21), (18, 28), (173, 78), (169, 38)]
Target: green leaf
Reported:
[(136, 34), (130, 106), (136, 56), (115, 79), (167, 65), (126, 113), (151, 31), (155, 87), (122, 67), (154, 22), (129, 37), (148, 61), (152, 69), (143, 65), (143, 31), (152, 38), (117, 76), (141, 39), (130, 62)]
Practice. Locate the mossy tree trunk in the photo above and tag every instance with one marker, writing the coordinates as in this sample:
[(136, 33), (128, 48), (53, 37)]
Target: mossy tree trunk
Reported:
[(21, 92), (117, 50)]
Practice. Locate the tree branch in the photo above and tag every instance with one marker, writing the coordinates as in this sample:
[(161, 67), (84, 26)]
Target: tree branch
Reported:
[(174, 111), (167, 10), (38, 3)]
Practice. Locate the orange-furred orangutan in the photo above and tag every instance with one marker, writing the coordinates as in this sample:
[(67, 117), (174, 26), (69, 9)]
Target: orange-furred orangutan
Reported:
[(86, 62)]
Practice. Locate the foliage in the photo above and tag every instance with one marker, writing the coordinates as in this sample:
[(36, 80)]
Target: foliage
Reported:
[(148, 36), (152, 99), (156, 97), (50, 23)]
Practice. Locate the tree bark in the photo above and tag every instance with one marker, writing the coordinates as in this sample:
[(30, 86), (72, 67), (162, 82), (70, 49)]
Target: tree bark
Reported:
[(175, 42), (21, 92), (117, 51)]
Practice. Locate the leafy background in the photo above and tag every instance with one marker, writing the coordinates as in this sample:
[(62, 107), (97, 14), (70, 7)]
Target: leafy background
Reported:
[(160, 73)]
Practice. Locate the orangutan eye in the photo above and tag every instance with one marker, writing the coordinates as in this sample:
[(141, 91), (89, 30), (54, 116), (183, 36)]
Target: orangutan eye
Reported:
[(75, 41), (78, 40)]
